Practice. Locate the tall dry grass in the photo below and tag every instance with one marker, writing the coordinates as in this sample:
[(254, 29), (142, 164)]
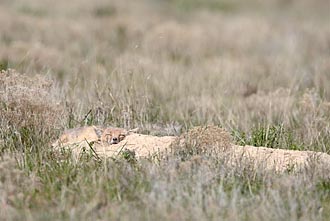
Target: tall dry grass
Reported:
[(259, 69), (192, 66)]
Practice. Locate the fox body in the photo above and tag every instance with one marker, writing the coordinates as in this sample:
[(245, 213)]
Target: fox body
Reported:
[(110, 135), (91, 134)]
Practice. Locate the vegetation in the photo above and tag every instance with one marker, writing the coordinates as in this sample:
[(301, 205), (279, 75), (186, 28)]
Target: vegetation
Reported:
[(258, 69)]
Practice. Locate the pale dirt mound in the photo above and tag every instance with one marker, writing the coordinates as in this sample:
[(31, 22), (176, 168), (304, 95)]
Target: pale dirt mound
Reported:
[(280, 160), (204, 139)]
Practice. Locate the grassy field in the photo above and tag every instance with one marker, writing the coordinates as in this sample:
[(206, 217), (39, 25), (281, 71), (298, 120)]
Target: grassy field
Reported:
[(259, 69)]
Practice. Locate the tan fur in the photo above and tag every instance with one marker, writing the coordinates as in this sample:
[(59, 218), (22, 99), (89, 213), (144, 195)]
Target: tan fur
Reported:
[(107, 136), (75, 135)]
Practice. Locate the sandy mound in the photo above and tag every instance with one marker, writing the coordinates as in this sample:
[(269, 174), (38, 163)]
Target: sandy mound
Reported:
[(278, 159), (200, 139)]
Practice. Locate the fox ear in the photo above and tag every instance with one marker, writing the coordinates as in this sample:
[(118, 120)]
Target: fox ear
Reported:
[(135, 130)]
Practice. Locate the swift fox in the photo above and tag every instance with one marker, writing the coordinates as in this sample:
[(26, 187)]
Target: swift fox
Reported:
[(110, 135), (75, 135)]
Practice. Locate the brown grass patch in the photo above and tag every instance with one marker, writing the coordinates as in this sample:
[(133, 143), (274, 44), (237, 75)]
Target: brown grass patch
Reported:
[(28, 101)]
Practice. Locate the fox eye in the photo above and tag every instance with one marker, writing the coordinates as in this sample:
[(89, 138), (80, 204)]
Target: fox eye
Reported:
[(121, 136)]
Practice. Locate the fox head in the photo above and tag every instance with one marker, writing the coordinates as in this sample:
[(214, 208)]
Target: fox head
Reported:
[(114, 135)]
